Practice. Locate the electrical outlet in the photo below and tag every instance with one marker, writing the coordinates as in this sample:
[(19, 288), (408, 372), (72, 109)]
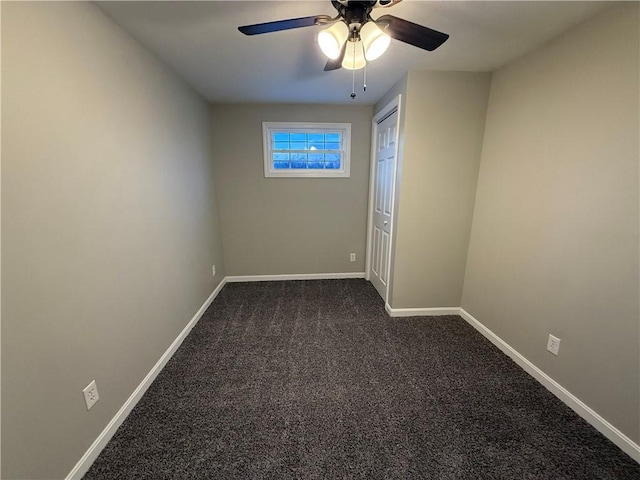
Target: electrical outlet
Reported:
[(553, 344), (213, 270), (352, 257), (91, 394)]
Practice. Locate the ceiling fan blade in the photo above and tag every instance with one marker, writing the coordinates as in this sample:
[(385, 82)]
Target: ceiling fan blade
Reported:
[(411, 33), (278, 25), (337, 63), (332, 65)]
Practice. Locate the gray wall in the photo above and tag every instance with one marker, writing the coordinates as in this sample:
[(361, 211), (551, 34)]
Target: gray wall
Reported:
[(444, 125), (109, 227), (554, 243), (289, 225)]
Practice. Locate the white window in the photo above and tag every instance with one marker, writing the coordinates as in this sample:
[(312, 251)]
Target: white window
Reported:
[(294, 149)]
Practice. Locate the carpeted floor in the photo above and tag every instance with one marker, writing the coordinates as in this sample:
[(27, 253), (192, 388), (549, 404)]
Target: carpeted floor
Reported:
[(312, 379)]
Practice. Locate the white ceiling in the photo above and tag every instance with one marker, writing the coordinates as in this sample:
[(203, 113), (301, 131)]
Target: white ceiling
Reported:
[(201, 42)]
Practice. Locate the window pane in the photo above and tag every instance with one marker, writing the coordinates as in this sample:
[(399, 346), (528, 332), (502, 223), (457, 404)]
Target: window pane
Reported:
[(298, 160), (333, 161), (281, 136), (303, 149)]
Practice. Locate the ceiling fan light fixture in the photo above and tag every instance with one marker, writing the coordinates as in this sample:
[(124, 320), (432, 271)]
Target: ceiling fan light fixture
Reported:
[(374, 39), (354, 56), (332, 39)]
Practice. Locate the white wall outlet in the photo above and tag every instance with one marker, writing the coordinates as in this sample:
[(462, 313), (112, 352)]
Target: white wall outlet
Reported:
[(213, 270), (352, 257), (91, 394), (553, 344)]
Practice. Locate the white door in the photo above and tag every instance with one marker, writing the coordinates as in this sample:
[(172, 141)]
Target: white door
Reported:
[(386, 133)]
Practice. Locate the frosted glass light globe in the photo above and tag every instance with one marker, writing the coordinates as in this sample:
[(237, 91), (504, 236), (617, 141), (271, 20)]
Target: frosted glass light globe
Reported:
[(332, 39), (354, 56), (375, 40)]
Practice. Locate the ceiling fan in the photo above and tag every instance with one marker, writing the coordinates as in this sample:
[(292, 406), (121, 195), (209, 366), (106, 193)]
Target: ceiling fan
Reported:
[(354, 38)]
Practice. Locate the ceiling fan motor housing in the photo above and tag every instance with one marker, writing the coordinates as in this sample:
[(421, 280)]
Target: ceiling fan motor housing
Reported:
[(354, 13)]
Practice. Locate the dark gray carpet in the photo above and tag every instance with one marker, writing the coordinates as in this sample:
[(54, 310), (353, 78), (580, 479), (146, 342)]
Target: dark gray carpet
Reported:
[(312, 379)]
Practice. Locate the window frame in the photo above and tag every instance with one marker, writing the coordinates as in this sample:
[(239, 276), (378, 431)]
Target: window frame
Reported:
[(306, 127)]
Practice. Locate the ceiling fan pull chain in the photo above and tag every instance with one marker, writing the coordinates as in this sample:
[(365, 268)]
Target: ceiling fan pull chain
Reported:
[(364, 82), (353, 84), (353, 74)]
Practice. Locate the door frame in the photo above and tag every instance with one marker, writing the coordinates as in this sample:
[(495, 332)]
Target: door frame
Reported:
[(388, 109)]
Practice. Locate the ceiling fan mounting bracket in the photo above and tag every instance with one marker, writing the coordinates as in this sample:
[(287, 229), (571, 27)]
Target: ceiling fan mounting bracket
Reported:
[(354, 13)]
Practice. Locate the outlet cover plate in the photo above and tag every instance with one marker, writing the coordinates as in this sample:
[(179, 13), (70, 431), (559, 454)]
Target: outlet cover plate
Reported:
[(90, 393), (213, 270), (352, 257), (553, 344)]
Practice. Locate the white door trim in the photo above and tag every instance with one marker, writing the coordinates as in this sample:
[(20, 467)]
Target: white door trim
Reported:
[(394, 104)]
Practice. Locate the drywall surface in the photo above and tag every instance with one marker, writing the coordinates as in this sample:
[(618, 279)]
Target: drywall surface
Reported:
[(444, 124), (109, 225), (274, 226), (554, 243)]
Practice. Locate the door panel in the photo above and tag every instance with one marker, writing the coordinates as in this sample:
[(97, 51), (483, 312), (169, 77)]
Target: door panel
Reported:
[(385, 158), (375, 264), (384, 254)]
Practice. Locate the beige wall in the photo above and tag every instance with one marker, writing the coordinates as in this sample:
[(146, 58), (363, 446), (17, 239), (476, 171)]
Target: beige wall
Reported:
[(109, 227), (554, 244), (289, 225), (444, 124)]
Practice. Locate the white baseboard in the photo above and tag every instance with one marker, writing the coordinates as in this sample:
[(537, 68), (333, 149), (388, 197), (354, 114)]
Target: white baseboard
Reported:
[(603, 426), (420, 312), (293, 276), (612, 433), (98, 445)]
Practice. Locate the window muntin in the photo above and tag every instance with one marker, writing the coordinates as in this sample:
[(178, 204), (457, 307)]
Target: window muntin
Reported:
[(306, 150)]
